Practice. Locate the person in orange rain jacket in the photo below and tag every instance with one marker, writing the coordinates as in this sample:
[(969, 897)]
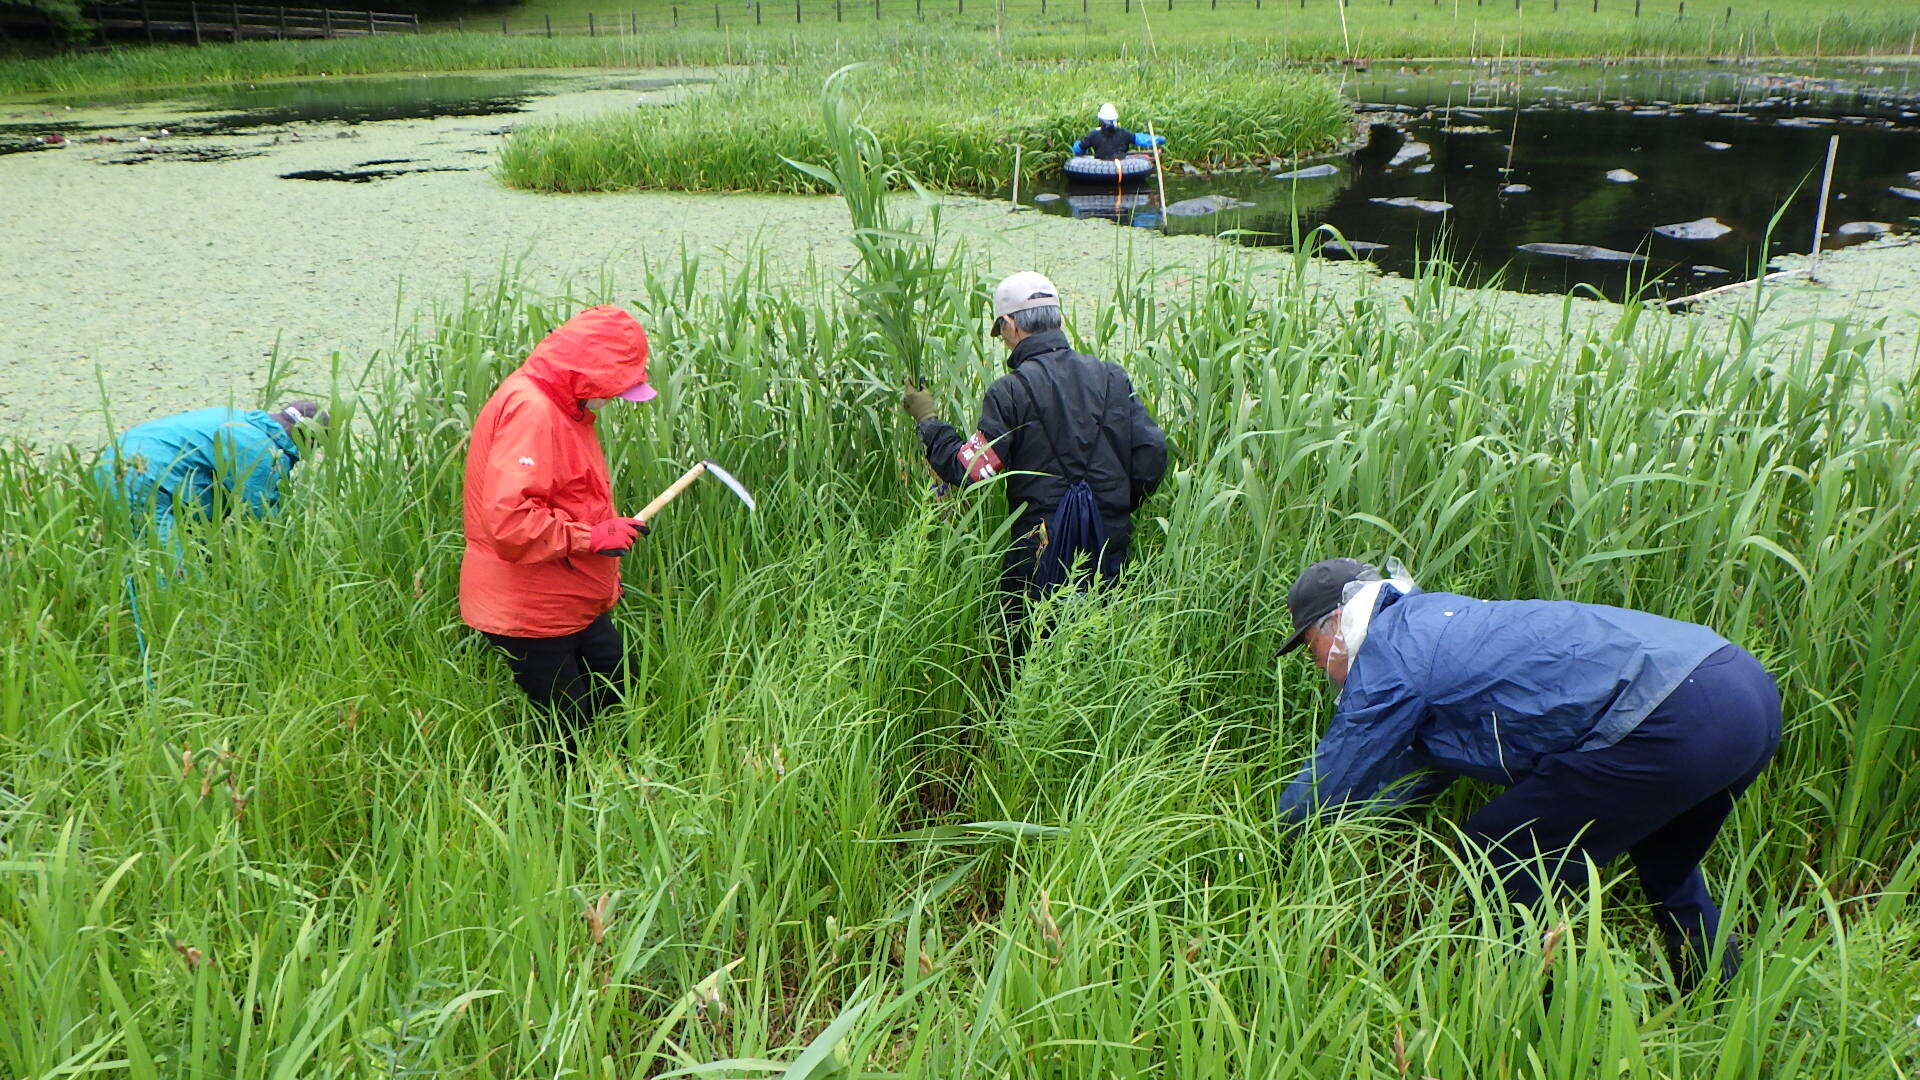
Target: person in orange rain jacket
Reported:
[(542, 565)]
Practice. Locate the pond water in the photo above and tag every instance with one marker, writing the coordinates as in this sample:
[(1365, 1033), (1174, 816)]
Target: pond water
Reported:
[(1507, 169), (240, 108), (1538, 177), (283, 228)]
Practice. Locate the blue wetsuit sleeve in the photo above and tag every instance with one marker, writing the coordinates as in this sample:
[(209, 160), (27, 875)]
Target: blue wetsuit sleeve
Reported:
[(1147, 142), (1364, 750)]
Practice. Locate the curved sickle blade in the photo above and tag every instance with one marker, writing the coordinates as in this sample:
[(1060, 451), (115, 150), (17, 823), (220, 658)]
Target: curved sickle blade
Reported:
[(733, 485)]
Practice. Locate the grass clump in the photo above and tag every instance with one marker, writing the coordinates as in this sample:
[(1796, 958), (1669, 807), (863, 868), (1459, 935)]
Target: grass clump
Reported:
[(947, 117)]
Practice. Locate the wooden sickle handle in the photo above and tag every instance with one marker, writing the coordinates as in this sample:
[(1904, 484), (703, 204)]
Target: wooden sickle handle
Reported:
[(661, 500)]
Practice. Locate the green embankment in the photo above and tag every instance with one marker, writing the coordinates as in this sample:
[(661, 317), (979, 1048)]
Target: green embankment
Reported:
[(653, 33), (949, 118)]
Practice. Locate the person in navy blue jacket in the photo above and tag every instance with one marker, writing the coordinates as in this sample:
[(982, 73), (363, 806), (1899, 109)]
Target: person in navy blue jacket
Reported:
[(1614, 732), (1110, 141), (203, 463)]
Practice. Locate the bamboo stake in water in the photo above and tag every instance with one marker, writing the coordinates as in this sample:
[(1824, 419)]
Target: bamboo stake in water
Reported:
[(1016, 178), (1777, 275), (1820, 219), (1159, 175)]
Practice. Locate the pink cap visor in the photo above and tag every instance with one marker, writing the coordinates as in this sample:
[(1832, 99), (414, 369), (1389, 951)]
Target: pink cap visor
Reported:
[(642, 392)]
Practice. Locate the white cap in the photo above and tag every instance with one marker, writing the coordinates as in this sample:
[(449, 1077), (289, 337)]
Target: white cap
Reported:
[(1021, 291), (1108, 112)]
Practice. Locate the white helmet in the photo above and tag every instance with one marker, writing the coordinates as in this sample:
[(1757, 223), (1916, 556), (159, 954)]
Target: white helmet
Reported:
[(1021, 291), (1109, 114)]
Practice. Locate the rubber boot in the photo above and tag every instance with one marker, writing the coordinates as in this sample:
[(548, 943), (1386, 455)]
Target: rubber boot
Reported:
[(1687, 955)]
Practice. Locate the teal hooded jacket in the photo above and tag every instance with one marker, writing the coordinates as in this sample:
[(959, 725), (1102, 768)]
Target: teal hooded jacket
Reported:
[(198, 464)]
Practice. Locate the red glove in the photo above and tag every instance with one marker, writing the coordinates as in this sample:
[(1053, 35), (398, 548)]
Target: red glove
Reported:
[(615, 535)]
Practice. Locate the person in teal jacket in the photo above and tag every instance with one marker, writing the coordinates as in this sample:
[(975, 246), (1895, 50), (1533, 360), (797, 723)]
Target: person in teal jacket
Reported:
[(201, 464)]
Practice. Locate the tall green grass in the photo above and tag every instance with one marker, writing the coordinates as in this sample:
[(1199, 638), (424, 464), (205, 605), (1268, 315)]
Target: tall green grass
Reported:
[(815, 842), (947, 116)]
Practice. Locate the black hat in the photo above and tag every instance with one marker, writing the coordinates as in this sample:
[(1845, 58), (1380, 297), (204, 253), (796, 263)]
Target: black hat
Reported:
[(1319, 591)]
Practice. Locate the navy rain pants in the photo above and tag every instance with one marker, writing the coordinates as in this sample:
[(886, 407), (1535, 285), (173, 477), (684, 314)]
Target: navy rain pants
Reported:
[(1660, 794)]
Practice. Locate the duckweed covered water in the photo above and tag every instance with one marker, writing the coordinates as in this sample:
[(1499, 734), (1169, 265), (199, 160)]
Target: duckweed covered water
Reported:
[(200, 274)]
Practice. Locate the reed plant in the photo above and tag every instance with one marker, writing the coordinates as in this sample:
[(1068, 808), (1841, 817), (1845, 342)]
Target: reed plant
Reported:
[(307, 833), (946, 115)]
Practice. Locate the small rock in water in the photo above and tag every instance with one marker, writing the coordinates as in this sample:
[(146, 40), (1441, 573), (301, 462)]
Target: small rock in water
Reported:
[(1350, 249), (1514, 189), (1422, 170), (1410, 153), (1312, 172), (1905, 192), (1712, 145), (1705, 228), (1431, 206), (1913, 177), (1204, 205), (1582, 252), (1621, 176), (1863, 230), (1803, 121), (1190, 170), (1704, 270), (1046, 196)]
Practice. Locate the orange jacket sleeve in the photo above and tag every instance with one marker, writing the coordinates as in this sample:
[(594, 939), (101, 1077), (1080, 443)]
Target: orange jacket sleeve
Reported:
[(514, 489)]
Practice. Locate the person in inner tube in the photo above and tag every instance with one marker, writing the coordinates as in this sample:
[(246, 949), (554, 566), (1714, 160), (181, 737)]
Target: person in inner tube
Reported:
[(1110, 141)]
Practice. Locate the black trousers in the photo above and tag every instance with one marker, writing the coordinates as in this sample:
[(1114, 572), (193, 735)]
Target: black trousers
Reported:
[(1018, 589), (573, 677), (1659, 795)]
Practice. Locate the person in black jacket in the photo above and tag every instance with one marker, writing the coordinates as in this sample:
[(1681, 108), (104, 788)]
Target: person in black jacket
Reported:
[(1079, 450), (1109, 141)]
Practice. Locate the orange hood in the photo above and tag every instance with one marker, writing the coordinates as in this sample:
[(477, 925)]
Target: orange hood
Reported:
[(599, 353)]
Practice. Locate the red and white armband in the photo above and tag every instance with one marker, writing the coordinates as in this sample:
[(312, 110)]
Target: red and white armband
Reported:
[(977, 456)]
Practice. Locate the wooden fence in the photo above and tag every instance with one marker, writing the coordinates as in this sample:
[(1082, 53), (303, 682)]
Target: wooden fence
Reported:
[(198, 21), (746, 14)]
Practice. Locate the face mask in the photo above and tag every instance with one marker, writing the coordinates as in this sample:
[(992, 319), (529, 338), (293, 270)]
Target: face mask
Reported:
[(1358, 600)]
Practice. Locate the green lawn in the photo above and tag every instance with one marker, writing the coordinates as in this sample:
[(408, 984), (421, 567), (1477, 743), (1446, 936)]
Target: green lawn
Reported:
[(1313, 28), (587, 33)]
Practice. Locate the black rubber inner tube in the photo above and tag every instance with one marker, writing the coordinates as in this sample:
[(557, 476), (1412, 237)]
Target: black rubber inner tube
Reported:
[(1087, 167)]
